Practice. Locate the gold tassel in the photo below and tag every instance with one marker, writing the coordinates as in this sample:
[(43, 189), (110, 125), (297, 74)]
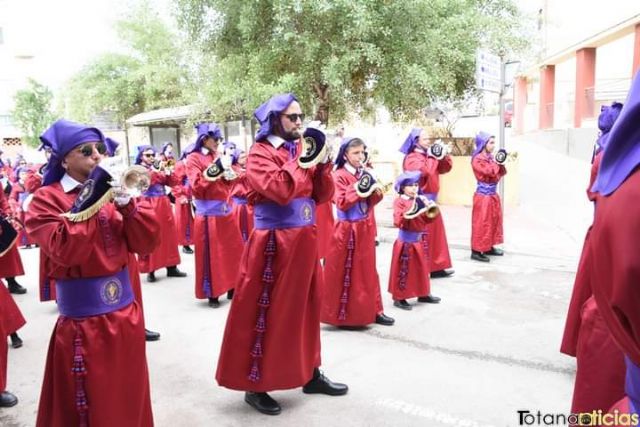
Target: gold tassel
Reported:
[(91, 210)]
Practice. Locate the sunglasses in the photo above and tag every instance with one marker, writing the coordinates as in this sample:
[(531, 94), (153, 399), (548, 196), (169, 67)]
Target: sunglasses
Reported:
[(294, 117), (148, 154), (87, 149)]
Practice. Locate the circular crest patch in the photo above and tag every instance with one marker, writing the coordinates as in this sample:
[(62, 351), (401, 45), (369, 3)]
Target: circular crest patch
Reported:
[(111, 292), (306, 212)]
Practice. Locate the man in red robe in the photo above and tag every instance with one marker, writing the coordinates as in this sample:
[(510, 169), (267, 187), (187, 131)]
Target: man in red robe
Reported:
[(352, 287), (166, 254), (600, 365), (218, 243), (96, 369), (614, 267), (421, 154), (242, 212), (272, 338), (183, 208), (486, 215)]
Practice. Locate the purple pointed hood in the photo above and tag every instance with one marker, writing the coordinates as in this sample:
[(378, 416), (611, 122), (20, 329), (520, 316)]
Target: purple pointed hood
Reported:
[(409, 144), (481, 141), (608, 116), (63, 136), (269, 111), (211, 130), (112, 146), (407, 178), (340, 160), (142, 149), (622, 154)]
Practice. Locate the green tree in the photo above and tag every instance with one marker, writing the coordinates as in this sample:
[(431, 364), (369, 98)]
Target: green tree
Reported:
[(343, 55), (150, 74), (32, 112)]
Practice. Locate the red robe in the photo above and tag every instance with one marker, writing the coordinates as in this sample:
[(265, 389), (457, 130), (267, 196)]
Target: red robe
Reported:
[(243, 213), (409, 258), (291, 341), (225, 246), (614, 273), (10, 315), (16, 199), (166, 254), (4, 347), (430, 169), (112, 345), (183, 209), (486, 215), (10, 263), (352, 287)]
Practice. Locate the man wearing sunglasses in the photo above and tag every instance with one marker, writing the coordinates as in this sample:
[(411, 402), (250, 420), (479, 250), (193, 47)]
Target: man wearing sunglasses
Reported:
[(96, 369), (218, 242), (166, 254), (272, 337)]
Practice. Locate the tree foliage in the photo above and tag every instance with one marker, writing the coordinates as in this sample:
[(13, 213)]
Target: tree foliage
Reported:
[(342, 55), (32, 111), (150, 74)]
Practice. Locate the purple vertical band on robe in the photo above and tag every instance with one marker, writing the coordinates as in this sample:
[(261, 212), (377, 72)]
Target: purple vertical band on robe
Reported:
[(156, 190), (300, 212), (212, 207), (357, 212), (486, 188), (93, 296), (266, 113), (632, 385), (407, 236)]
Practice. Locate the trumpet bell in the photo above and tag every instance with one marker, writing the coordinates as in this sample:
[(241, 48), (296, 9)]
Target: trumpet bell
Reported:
[(432, 210), (135, 180)]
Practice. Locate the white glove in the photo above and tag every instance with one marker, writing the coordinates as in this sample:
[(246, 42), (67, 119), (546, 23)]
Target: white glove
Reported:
[(121, 198), (226, 161)]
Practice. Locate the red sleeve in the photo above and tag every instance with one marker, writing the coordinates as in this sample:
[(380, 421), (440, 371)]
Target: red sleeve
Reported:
[(141, 226), (32, 181), (323, 187), (280, 183), (420, 162), (345, 195), (486, 170), (400, 207), (445, 164)]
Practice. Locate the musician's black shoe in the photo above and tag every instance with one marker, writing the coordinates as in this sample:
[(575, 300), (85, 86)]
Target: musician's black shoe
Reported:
[(430, 299), (441, 273), (151, 336), (230, 294), (495, 252), (187, 250), (14, 287), (7, 400), (151, 277), (174, 272), (383, 319), (403, 304), (479, 256), (16, 341), (262, 402), (214, 302), (320, 384)]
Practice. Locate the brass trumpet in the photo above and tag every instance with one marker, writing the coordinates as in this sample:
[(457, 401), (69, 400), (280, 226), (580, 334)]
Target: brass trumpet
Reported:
[(164, 166), (133, 180)]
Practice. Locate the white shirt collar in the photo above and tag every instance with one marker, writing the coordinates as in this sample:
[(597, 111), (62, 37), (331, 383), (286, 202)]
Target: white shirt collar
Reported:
[(350, 168), (204, 150), (276, 141), (404, 196), (420, 150), (68, 183)]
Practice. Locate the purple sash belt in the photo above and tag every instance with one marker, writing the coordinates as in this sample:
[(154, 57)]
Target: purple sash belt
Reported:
[(431, 196), (632, 385), (156, 190), (93, 296), (407, 236), (212, 207), (486, 189), (355, 213), (239, 200), (300, 212)]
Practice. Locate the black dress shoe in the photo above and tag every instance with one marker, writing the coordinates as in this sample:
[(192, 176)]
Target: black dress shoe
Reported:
[(320, 384), (403, 304), (230, 294), (496, 252), (479, 256), (174, 272), (151, 277), (16, 341), (214, 302), (14, 286), (187, 250), (151, 336), (7, 400), (383, 319), (430, 299), (262, 402), (441, 273)]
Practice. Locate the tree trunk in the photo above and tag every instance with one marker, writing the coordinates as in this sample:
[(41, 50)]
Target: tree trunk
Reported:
[(321, 91)]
